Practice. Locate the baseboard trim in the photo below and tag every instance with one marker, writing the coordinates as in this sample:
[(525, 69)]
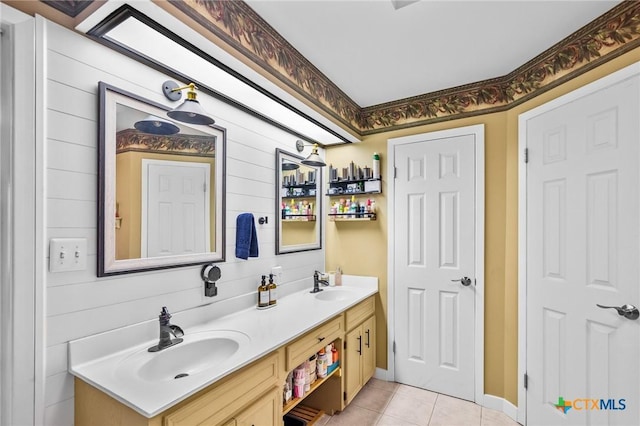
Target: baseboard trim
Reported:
[(381, 374), (500, 404)]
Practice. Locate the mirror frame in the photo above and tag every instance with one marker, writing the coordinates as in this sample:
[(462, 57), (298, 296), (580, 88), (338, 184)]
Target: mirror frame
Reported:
[(109, 97), (280, 249)]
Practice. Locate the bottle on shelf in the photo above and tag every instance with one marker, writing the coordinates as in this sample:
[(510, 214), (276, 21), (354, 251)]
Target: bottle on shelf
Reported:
[(376, 165), (263, 293), (322, 364), (273, 291)]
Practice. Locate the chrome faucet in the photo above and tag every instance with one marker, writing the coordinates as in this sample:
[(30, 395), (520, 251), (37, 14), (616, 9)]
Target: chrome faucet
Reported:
[(317, 281), (166, 330)]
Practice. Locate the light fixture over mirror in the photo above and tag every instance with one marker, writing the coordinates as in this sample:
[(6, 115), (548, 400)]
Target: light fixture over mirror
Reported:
[(190, 111), (314, 159)]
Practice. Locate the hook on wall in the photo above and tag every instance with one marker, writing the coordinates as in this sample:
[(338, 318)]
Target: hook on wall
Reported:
[(263, 220)]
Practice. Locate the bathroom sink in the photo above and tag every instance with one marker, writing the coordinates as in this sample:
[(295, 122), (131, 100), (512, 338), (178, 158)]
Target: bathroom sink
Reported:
[(197, 353), (333, 295)]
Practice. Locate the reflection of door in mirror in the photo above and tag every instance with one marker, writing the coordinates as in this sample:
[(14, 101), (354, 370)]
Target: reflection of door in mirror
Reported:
[(175, 208), (163, 193)]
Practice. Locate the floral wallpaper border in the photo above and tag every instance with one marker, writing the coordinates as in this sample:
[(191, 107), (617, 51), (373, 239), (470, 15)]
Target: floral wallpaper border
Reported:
[(134, 140), (610, 35), (70, 8)]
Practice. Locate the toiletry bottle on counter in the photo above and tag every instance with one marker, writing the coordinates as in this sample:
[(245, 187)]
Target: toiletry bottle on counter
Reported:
[(376, 165), (338, 276), (263, 293), (273, 291)]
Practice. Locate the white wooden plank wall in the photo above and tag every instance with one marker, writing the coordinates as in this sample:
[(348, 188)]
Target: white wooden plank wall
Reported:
[(77, 303)]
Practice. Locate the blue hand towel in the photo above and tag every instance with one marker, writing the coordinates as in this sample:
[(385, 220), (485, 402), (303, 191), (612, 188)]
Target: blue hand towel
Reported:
[(246, 236)]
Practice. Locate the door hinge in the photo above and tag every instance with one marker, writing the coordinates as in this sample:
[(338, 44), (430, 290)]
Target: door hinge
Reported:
[(345, 345), (395, 172), (394, 347), (344, 395), (526, 381), (526, 155), (204, 187)]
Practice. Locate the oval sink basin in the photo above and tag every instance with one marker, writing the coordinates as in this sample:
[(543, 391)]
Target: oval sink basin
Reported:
[(334, 295), (198, 352)]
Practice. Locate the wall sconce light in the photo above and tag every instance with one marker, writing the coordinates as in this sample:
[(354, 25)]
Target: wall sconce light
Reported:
[(156, 126), (313, 159), (190, 111)]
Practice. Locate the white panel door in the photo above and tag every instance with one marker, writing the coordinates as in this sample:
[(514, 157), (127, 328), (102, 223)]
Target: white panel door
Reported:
[(176, 208), (435, 245), (582, 250)]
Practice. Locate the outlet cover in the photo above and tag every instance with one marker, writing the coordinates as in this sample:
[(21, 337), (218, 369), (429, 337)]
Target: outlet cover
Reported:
[(277, 274), (67, 254)]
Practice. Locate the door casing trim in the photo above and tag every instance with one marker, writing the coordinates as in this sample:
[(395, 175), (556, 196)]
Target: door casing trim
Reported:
[(478, 132), (606, 81)]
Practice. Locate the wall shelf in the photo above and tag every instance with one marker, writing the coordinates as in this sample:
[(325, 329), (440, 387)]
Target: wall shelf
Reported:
[(295, 401), (294, 197), (299, 218), (351, 217), (341, 188)]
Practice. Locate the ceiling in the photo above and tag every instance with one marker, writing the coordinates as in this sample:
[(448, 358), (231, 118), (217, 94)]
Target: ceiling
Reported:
[(376, 53)]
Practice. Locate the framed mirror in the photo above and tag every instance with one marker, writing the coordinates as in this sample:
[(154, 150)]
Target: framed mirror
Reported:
[(161, 196), (298, 203)]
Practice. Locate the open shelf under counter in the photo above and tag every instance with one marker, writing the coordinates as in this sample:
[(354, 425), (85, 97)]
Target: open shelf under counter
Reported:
[(351, 217), (315, 385)]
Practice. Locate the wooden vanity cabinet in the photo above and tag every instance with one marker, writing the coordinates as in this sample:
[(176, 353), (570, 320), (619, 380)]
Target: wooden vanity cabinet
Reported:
[(236, 399), (253, 395), (359, 358)]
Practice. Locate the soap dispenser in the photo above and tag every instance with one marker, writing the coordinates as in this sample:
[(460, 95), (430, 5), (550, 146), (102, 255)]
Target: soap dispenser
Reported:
[(273, 291), (263, 293)]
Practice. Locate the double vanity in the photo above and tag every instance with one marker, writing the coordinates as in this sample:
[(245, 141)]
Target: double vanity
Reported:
[(231, 367)]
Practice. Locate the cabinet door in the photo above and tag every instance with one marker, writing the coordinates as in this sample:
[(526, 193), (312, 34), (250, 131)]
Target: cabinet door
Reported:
[(352, 367), (368, 349), (264, 412)]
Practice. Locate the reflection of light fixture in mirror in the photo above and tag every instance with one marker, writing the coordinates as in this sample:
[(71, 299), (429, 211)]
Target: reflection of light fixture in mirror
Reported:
[(313, 159), (190, 111), (156, 126), (288, 165)]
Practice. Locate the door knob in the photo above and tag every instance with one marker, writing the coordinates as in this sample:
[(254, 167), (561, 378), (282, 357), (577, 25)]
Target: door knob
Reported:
[(465, 281), (627, 311)]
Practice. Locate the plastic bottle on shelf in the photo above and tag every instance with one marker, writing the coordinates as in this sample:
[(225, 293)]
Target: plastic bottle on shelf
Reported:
[(376, 165), (322, 364), (334, 353)]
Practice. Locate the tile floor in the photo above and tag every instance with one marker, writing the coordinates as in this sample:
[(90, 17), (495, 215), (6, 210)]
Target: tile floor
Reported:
[(383, 403)]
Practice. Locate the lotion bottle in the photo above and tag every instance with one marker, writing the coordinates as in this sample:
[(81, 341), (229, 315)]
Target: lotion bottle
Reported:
[(263, 293), (376, 165), (273, 291)]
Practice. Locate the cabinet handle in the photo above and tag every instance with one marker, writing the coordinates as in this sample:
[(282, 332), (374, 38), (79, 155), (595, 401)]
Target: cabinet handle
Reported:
[(368, 342), (320, 339), (360, 345)]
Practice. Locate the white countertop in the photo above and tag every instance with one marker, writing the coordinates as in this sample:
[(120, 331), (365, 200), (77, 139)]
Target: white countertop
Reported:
[(98, 359)]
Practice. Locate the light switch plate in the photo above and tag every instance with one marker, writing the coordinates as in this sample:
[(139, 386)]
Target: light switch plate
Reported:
[(67, 254)]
